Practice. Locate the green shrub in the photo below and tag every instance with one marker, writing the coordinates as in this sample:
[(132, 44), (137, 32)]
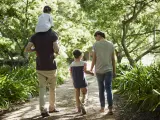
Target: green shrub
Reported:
[(141, 86), (16, 85)]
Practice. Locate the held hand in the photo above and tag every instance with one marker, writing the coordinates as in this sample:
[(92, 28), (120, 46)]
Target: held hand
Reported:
[(92, 73), (91, 70)]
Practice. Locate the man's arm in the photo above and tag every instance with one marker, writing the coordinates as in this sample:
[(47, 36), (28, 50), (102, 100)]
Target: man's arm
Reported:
[(93, 61), (56, 47), (114, 64), (29, 47)]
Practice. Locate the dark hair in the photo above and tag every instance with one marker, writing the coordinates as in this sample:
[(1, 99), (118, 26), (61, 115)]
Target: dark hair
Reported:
[(47, 9), (99, 33), (77, 53)]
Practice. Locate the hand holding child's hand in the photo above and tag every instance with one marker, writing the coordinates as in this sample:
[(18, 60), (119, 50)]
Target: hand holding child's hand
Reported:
[(92, 73)]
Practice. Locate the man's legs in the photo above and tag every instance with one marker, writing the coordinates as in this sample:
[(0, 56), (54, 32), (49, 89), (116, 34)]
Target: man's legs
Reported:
[(42, 90), (100, 79), (108, 87), (52, 90)]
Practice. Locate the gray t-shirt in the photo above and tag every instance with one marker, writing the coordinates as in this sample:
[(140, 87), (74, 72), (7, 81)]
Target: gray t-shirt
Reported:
[(104, 50)]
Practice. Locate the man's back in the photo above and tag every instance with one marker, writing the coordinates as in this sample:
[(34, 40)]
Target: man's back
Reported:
[(104, 50), (43, 43)]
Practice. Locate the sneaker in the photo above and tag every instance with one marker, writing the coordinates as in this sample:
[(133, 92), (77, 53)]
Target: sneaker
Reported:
[(83, 109), (44, 114)]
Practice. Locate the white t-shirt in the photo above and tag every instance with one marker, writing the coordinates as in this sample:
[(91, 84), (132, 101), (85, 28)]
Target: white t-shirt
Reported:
[(45, 22)]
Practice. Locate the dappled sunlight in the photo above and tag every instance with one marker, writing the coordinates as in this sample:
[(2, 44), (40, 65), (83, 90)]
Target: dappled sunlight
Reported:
[(66, 105), (71, 88), (27, 111)]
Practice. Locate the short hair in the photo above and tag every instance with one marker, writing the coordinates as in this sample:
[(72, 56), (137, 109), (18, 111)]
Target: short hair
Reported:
[(77, 53), (99, 33), (47, 9)]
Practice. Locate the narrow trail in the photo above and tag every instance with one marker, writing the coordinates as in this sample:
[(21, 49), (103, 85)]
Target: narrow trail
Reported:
[(66, 105)]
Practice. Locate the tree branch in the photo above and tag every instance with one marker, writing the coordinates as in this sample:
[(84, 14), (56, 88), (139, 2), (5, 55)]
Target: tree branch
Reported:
[(143, 4), (146, 52), (148, 32), (138, 44)]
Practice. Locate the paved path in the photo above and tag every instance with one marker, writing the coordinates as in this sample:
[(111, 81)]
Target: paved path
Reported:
[(66, 105)]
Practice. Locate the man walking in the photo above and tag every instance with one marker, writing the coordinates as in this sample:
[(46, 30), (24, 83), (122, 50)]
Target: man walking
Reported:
[(45, 45), (105, 68)]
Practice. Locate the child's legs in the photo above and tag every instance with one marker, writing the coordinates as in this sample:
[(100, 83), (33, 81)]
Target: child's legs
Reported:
[(84, 92), (77, 92)]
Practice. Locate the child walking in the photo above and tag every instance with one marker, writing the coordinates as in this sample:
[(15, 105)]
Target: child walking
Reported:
[(77, 70), (45, 20)]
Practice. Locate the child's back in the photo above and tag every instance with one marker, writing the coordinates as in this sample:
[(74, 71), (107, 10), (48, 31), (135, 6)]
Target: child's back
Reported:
[(45, 21), (77, 70)]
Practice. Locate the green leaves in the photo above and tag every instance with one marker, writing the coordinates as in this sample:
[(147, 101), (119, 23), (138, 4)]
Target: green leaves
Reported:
[(141, 86), (128, 23), (15, 86)]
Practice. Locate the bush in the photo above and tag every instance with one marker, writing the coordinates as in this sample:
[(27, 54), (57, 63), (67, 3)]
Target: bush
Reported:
[(141, 86), (16, 85)]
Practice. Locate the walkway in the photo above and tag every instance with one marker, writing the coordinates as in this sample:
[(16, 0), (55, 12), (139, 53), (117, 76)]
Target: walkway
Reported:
[(66, 105)]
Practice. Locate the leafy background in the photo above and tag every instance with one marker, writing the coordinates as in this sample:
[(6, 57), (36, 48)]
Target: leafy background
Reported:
[(132, 25)]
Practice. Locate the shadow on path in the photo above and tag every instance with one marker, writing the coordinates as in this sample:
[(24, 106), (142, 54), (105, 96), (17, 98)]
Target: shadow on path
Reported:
[(66, 105)]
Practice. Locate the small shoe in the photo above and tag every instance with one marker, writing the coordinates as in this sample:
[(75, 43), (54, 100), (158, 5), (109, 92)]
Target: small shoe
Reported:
[(83, 109), (52, 111), (44, 114)]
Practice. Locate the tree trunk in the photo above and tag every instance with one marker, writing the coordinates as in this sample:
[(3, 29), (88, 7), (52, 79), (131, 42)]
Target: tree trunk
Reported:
[(119, 55), (124, 33)]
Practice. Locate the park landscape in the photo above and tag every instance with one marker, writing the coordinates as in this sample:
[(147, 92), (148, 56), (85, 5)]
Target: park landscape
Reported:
[(132, 25)]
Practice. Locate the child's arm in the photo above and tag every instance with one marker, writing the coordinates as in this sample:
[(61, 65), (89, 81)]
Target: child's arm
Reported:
[(71, 74), (86, 71)]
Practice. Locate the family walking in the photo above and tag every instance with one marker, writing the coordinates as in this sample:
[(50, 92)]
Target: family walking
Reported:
[(45, 43)]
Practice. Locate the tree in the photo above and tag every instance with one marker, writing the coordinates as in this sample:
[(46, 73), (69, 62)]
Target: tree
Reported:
[(129, 23), (19, 19)]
